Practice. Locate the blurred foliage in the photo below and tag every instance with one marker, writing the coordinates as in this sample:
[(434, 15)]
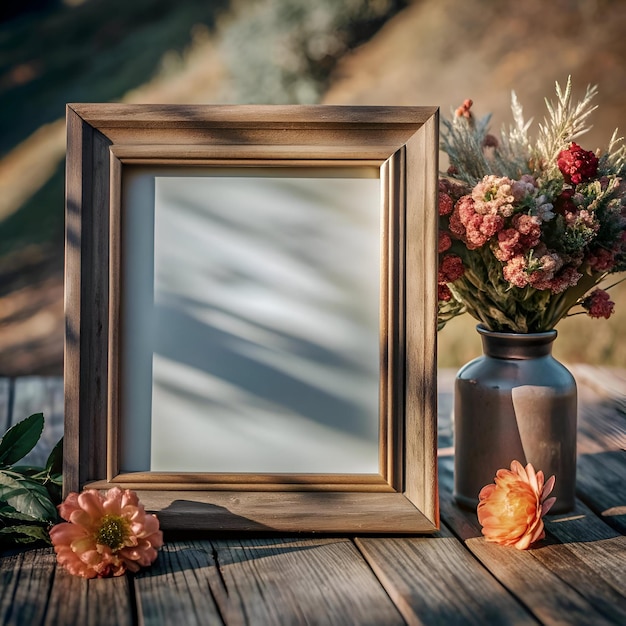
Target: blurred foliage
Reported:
[(282, 51), (12, 9), (93, 52)]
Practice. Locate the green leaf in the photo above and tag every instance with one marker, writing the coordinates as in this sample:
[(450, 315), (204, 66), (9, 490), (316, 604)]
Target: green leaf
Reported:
[(20, 439), (7, 512), (23, 534), (54, 464), (26, 496)]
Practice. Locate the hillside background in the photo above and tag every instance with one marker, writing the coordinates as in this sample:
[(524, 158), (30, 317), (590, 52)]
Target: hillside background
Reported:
[(424, 52)]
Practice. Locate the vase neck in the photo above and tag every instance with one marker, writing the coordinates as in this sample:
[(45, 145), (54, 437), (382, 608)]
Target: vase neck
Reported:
[(516, 345)]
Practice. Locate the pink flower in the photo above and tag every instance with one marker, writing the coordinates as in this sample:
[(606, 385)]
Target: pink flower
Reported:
[(577, 165), (494, 195), (598, 304), (515, 271), (566, 278), (105, 534), (511, 510), (543, 273), (508, 244), (473, 228)]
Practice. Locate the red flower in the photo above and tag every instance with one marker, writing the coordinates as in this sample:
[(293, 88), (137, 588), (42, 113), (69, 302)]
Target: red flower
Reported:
[(577, 165), (598, 304), (601, 260), (445, 204), (450, 269), (444, 293), (490, 141), (445, 242), (564, 203)]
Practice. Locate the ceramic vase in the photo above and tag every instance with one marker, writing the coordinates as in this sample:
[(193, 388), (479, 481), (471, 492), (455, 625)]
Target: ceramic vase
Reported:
[(516, 401)]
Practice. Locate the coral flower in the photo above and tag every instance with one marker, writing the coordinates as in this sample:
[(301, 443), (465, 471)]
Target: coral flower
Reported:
[(511, 510), (105, 534)]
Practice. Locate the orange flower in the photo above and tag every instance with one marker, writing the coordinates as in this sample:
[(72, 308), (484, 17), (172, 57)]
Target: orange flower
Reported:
[(510, 510), (105, 534)]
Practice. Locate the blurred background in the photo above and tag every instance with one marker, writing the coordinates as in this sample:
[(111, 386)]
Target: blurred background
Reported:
[(418, 52)]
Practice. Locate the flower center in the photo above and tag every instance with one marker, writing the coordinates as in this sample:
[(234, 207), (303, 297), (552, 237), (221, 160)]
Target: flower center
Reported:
[(113, 532)]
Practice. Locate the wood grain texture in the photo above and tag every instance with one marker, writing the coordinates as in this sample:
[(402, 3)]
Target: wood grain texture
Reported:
[(97, 602), (264, 581), (180, 587), (78, 166), (263, 512), (421, 324), (25, 582), (250, 116), (34, 591), (602, 442), (435, 580)]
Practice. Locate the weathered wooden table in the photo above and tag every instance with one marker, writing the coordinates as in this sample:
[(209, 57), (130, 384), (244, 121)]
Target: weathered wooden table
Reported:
[(577, 575)]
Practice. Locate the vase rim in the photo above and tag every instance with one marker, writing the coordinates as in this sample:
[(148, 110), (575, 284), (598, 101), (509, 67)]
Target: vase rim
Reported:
[(483, 330)]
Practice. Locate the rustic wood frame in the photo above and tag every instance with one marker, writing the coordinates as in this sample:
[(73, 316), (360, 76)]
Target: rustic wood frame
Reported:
[(402, 142)]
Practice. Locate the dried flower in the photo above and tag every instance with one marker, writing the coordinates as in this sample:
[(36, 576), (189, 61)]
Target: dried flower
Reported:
[(445, 204), (450, 269), (598, 304), (444, 293), (444, 241), (577, 165), (511, 510), (536, 225), (105, 534), (464, 109)]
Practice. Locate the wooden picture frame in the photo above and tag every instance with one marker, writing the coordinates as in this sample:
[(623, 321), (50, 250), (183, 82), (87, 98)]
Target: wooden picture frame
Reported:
[(401, 142)]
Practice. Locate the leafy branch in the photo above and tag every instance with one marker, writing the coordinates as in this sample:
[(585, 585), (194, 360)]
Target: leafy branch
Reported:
[(28, 494)]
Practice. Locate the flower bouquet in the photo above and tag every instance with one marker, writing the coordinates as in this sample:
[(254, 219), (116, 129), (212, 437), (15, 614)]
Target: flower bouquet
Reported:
[(527, 229)]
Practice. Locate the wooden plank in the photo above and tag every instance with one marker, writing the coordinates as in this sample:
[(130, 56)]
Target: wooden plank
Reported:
[(601, 421), (435, 580), (37, 394), (551, 580), (25, 577), (285, 512), (594, 551), (600, 484), (97, 602), (178, 588), (602, 443), (609, 381), (263, 581), (33, 591)]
